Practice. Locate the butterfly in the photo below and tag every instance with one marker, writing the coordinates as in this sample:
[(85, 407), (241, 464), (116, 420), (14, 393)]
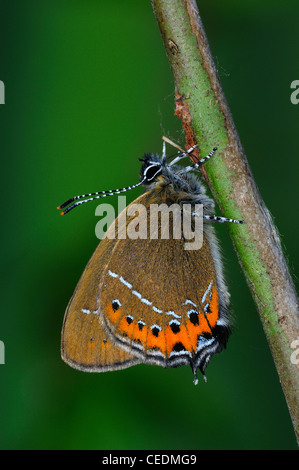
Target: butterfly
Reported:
[(149, 299)]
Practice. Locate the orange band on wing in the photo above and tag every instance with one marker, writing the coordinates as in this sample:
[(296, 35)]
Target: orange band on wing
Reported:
[(181, 336)]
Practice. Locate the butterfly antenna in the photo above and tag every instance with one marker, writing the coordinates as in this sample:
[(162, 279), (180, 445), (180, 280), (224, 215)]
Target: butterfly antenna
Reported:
[(92, 196)]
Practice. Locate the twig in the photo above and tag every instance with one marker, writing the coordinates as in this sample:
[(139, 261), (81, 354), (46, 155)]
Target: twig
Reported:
[(207, 121)]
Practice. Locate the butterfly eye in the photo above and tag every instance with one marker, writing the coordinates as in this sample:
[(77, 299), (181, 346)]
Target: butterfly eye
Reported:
[(151, 172)]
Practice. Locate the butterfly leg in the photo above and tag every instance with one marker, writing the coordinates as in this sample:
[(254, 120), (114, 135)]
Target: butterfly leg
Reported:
[(215, 218)]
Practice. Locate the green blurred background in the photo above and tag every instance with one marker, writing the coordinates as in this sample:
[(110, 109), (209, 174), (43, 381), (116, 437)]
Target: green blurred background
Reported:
[(88, 90)]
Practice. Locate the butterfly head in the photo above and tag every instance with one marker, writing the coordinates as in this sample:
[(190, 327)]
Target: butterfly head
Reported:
[(156, 169), (151, 169)]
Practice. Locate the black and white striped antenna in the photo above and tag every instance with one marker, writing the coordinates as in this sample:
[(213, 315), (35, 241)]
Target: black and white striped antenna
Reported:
[(92, 196), (75, 201)]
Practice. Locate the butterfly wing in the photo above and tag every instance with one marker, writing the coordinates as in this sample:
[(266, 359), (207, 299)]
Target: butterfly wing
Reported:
[(160, 302), (84, 343)]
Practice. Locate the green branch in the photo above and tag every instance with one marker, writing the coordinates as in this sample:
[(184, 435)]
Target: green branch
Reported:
[(201, 104)]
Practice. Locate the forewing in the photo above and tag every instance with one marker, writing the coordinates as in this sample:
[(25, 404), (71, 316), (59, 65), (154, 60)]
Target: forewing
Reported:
[(84, 343)]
